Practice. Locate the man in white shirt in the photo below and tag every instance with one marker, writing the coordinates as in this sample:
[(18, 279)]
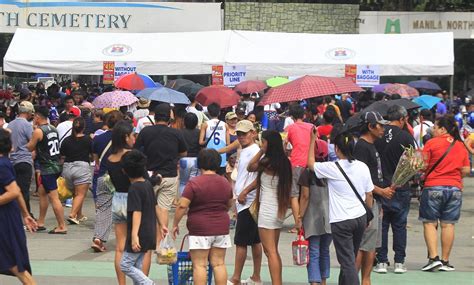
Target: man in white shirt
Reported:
[(202, 118), (65, 128), (246, 231), (423, 128), (148, 120)]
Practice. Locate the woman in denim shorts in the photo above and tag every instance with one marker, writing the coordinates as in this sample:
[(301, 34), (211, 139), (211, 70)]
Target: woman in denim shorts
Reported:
[(441, 198)]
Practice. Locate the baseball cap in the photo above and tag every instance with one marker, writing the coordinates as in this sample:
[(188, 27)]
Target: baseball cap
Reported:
[(75, 111), (26, 107), (163, 110), (245, 126), (374, 118), (230, 116)]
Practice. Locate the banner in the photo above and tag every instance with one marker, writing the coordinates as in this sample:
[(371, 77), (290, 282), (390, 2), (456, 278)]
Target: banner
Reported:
[(108, 72), (124, 67), (368, 75), (234, 74), (351, 72), (217, 75)]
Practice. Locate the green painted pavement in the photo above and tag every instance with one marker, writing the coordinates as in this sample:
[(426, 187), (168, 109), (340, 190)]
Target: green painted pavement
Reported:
[(290, 274)]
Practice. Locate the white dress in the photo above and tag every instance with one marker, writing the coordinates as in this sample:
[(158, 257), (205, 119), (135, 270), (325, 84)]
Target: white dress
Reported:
[(268, 212)]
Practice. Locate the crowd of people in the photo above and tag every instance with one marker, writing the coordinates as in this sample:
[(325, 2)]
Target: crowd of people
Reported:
[(243, 167)]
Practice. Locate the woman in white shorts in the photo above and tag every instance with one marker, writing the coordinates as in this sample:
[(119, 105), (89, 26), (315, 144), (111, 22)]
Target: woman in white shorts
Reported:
[(274, 179), (207, 199), (76, 150)]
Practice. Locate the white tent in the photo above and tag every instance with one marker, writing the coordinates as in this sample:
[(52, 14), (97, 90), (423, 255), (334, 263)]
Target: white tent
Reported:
[(264, 54)]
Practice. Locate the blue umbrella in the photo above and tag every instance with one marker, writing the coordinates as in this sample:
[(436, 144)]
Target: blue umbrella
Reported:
[(164, 94), (426, 101), (424, 84)]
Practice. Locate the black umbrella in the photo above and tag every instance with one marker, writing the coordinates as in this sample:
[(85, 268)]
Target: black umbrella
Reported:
[(408, 104), (177, 83), (190, 89)]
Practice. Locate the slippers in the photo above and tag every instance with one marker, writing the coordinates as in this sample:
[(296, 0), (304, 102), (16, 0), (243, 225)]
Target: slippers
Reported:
[(41, 228), (98, 245), (54, 232)]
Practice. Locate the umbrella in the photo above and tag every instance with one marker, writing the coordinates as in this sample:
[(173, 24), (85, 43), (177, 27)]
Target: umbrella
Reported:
[(277, 81), (219, 94), (190, 89), (134, 81), (114, 99), (380, 87), (308, 87), (401, 89), (408, 104), (250, 86), (424, 84), (177, 83), (427, 101), (164, 94)]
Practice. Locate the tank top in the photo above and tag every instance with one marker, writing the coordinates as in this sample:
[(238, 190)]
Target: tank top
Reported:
[(217, 140), (48, 151)]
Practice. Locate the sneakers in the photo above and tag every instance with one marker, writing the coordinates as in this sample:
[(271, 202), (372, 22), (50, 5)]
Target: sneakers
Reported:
[(400, 268), (68, 203), (434, 264), (381, 267), (250, 282), (446, 266)]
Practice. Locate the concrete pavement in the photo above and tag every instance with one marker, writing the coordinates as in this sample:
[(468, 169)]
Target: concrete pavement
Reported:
[(68, 259)]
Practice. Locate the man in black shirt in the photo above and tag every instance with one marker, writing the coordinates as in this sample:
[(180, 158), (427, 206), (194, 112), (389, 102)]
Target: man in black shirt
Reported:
[(365, 151), (163, 147), (391, 147)]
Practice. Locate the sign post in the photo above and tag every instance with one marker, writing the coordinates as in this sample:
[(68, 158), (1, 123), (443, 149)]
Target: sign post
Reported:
[(124, 67), (234, 74)]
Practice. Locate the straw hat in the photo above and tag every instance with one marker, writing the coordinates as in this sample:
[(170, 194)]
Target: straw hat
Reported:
[(143, 103)]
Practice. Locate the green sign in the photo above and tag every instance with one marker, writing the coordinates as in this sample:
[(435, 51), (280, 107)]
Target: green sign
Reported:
[(392, 26)]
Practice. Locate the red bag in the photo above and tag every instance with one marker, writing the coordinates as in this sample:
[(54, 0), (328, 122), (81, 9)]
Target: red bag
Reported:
[(300, 249)]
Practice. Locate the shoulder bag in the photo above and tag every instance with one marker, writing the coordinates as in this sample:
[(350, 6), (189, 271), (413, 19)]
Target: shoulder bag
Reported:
[(368, 211)]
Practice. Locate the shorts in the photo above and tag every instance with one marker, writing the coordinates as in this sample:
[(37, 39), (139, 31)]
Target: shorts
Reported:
[(372, 237), (295, 187), (50, 182), (441, 203), (207, 242), (119, 208), (77, 173), (246, 230), (166, 192)]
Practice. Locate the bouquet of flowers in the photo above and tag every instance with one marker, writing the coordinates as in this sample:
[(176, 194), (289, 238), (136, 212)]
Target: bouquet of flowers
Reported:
[(411, 162)]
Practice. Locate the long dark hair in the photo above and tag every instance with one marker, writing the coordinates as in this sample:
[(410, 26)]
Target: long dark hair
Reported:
[(449, 123), (276, 161), (345, 143), (78, 126), (119, 135)]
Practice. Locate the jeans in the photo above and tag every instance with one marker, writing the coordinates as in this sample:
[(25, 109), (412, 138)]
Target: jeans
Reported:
[(24, 172), (131, 265), (395, 214), (187, 170), (347, 236), (441, 203), (319, 258)]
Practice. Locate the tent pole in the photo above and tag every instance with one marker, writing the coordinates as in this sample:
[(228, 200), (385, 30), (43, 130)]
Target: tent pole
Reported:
[(451, 89)]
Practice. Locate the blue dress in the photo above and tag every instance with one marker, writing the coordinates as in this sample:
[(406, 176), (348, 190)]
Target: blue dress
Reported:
[(13, 250)]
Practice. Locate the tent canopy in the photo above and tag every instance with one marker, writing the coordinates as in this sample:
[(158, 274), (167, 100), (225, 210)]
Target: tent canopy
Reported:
[(264, 54)]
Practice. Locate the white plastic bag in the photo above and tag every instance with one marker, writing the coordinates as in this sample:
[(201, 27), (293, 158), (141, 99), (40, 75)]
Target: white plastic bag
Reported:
[(166, 253)]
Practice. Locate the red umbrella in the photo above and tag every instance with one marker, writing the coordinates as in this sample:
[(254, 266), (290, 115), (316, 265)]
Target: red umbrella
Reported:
[(221, 95), (402, 89), (250, 86), (135, 81), (309, 87)]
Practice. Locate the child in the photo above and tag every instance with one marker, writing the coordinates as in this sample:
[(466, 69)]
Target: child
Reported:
[(141, 218)]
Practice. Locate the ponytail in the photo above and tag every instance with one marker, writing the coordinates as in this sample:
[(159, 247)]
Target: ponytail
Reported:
[(345, 143), (449, 123), (78, 126)]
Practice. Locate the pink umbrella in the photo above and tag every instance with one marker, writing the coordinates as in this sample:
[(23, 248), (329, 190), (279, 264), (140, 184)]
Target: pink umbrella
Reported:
[(402, 89), (114, 99), (250, 86)]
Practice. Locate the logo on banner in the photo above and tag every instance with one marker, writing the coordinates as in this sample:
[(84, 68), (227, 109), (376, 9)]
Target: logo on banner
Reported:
[(393, 26), (340, 53), (117, 50)]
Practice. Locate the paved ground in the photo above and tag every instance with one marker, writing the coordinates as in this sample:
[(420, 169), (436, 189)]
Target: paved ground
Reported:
[(69, 260)]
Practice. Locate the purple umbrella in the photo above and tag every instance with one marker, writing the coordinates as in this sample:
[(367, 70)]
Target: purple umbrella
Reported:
[(114, 99), (380, 87), (424, 84)]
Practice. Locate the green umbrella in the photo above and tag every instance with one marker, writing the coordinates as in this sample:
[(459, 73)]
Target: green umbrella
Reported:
[(277, 81)]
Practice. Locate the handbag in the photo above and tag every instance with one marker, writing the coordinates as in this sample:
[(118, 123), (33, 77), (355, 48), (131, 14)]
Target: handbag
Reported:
[(368, 211), (300, 249), (422, 182), (63, 192), (254, 208)]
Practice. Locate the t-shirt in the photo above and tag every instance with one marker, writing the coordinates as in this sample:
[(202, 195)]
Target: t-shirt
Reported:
[(343, 203), (144, 122), (64, 130), (288, 122), (7, 176), (21, 133), (448, 171), (117, 176), (299, 135), (391, 147), (244, 178), (141, 198), (368, 154), (209, 196), (191, 137), (441, 108), (420, 131), (162, 146), (76, 149), (325, 130), (99, 143), (200, 115)]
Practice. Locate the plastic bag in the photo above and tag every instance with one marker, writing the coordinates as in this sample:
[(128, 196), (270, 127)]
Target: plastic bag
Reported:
[(63, 192), (300, 250), (166, 253)]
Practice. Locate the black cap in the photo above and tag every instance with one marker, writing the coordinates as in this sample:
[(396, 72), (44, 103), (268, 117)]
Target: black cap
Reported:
[(374, 118), (163, 110)]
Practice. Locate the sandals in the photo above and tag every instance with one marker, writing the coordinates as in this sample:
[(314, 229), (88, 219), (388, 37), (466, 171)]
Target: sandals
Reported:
[(98, 245), (54, 232)]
